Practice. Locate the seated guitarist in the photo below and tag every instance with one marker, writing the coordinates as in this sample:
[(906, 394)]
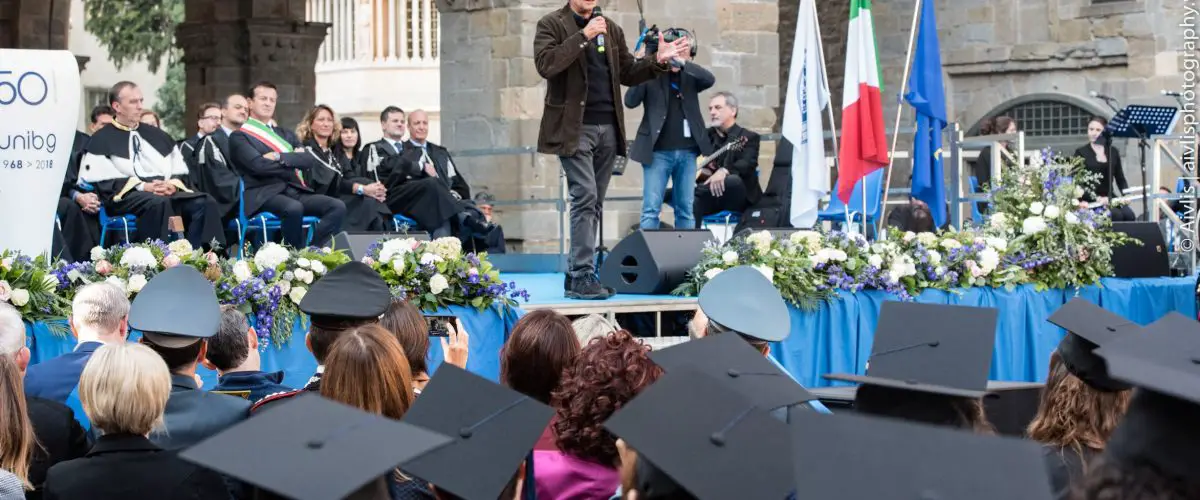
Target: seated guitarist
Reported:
[(730, 180)]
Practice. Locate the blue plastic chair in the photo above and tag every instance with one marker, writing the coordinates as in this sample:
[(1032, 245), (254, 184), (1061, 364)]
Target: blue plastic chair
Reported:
[(266, 222), (401, 221), (725, 217), (975, 214), (126, 223), (836, 211)]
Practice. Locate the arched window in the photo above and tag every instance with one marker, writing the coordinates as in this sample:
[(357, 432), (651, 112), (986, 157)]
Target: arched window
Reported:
[(1048, 118)]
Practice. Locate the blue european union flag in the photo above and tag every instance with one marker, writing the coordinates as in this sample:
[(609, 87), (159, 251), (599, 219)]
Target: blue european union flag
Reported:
[(927, 95)]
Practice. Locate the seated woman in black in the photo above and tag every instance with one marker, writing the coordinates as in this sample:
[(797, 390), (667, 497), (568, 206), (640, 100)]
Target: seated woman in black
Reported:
[(339, 178), (1102, 159), (982, 168)]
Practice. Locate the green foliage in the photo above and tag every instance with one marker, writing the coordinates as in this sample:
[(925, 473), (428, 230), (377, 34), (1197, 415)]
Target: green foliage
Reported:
[(172, 99), (134, 30)]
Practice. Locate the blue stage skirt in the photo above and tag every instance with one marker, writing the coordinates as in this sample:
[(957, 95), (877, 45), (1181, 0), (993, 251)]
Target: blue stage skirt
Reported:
[(837, 338), (488, 330)]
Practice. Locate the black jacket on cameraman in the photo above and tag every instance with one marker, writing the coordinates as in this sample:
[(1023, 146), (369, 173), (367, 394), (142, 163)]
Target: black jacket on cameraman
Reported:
[(655, 95)]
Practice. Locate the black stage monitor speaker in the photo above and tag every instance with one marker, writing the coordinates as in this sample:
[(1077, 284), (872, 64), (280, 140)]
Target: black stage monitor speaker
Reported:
[(356, 244), (653, 262), (1148, 260)]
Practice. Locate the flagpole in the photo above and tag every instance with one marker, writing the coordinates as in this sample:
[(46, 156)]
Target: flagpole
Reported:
[(832, 124), (908, 58)]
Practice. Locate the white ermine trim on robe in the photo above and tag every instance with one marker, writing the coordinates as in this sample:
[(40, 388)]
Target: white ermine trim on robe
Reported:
[(148, 163), (216, 151)]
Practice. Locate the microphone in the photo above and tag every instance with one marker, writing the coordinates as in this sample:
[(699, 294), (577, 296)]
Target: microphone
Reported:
[(600, 37), (1171, 93)]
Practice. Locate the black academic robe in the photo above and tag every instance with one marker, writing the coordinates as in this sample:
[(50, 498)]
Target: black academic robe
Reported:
[(116, 162), (209, 166), (78, 231), (431, 201), (1066, 467), (335, 175)]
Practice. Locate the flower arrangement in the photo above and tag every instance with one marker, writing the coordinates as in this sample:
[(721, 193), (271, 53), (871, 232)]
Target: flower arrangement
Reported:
[(1040, 235), (28, 285), (435, 274), (131, 266)]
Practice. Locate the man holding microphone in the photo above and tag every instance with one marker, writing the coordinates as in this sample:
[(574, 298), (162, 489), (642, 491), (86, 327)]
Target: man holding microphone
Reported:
[(585, 61)]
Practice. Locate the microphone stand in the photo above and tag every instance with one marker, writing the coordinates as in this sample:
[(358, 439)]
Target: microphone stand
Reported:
[(1142, 146)]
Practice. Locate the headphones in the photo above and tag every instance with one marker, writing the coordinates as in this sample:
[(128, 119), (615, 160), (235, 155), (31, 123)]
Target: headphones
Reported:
[(672, 34)]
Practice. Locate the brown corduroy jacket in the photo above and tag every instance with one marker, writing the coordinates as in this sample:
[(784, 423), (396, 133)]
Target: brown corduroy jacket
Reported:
[(559, 58)]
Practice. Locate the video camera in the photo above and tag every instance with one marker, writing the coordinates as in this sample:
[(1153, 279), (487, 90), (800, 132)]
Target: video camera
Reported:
[(650, 38)]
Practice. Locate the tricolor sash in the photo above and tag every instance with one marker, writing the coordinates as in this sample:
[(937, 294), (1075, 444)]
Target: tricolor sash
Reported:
[(266, 135)]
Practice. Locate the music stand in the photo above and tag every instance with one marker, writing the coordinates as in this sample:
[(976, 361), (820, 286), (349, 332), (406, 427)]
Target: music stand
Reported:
[(1141, 121)]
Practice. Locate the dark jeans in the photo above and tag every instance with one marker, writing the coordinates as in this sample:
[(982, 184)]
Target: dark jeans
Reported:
[(588, 172), (733, 199), (291, 209)]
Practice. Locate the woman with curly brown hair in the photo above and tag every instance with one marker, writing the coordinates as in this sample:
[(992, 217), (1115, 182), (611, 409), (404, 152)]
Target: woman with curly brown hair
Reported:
[(608, 373)]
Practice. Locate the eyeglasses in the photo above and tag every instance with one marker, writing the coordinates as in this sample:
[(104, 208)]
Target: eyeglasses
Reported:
[(211, 118)]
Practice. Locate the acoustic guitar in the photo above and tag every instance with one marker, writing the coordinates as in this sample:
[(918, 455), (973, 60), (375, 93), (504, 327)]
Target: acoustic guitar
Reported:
[(704, 164)]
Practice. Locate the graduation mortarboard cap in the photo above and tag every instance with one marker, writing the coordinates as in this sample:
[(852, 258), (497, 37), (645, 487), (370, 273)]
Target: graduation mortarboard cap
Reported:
[(743, 300), (350, 292), (852, 457), (176, 308), (708, 438), (1089, 326), (730, 360), (1160, 424), (318, 449), (493, 428), (933, 348)]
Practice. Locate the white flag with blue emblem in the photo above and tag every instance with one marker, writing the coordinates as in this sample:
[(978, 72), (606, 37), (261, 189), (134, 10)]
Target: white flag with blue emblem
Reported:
[(806, 100)]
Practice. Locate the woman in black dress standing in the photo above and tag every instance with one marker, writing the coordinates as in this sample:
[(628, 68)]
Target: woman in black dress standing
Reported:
[(983, 165), (333, 176), (1102, 159)]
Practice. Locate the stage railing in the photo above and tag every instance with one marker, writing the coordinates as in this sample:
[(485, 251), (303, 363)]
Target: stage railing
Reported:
[(961, 148)]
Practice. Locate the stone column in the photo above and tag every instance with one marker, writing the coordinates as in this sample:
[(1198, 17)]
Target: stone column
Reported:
[(229, 45), (492, 95), (34, 24)]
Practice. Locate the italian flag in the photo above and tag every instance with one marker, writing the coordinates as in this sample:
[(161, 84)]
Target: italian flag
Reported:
[(864, 147)]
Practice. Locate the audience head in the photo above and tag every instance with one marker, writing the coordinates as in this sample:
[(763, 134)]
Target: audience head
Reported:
[(351, 137), (208, 118), (1095, 129), (350, 296), (727, 297), (998, 125), (418, 125), (16, 431), (1109, 479), (924, 407), (100, 313), (235, 346), (263, 98), (126, 100), (150, 118), (320, 125), (12, 336), (1074, 414), (367, 369), (593, 326), (235, 111), (102, 115), (391, 120), (920, 220), (405, 321), (541, 346), (124, 389), (608, 372), (722, 110)]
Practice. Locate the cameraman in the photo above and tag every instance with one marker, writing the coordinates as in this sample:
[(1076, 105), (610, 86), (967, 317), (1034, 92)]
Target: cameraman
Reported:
[(672, 133)]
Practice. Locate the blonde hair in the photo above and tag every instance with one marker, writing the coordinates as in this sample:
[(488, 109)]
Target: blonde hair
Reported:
[(124, 389), (304, 129), (16, 431)]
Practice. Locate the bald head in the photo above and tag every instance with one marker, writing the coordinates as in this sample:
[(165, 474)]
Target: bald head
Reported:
[(418, 125)]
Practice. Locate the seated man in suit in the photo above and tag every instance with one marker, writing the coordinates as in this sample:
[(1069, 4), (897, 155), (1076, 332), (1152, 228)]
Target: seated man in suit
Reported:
[(275, 168), (210, 163), (733, 184), (137, 169)]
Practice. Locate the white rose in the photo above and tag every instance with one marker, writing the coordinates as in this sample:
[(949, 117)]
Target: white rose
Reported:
[(284, 287), (136, 283), (305, 276), (950, 244), (935, 258), (1051, 212), (6, 263), (1000, 244), (1071, 218), (20, 297), (1036, 208), (98, 254), (1078, 192), (138, 257), (241, 271), (927, 239), (117, 282), (438, 284), (761, 241), (428, 258), (712, 273), (766, 272), (1033, 225), (875, 261), (998, 221), (180, 247), (303, 262), (730, 258), (988, 259), (297, 294), (894, 275), (398, 266), (318, 267), (270, 256), (909, 236)]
